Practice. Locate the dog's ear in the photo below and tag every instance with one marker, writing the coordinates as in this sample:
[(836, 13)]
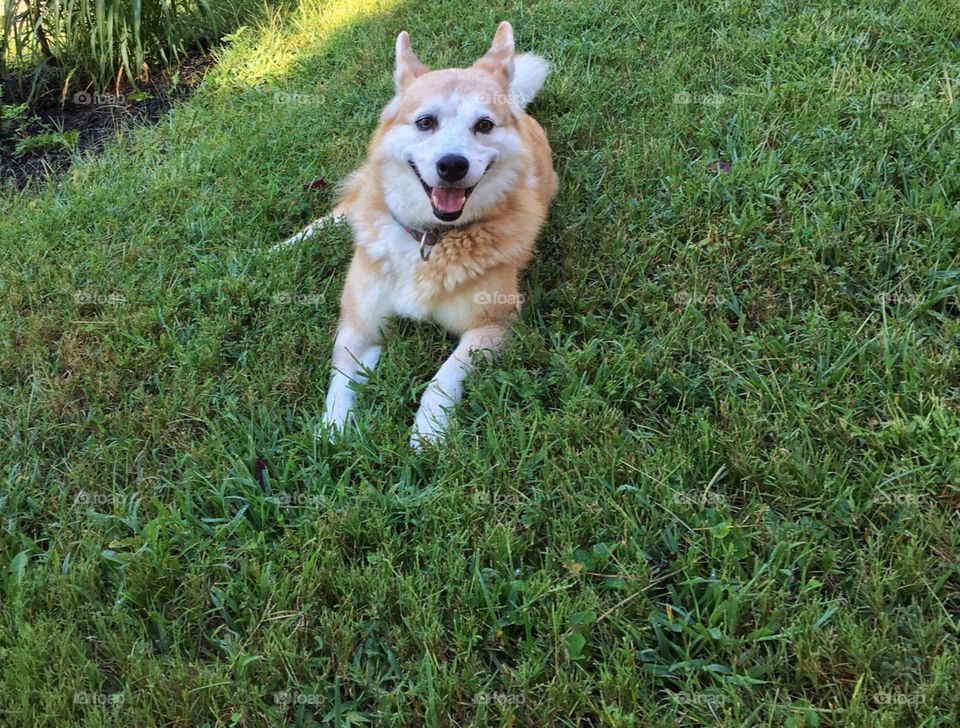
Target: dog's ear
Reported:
[(408, 65), (498, 61)]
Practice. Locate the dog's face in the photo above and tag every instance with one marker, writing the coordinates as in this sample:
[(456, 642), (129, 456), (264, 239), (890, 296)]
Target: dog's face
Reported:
[(448, 144)]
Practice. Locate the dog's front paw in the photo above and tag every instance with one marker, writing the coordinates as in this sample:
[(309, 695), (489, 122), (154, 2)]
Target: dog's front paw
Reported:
[(335, 421), (429, 425), (338, 410), (419, 440)]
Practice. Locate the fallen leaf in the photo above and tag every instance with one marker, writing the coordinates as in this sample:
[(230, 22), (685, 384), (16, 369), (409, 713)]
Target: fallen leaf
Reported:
[(258, 472)]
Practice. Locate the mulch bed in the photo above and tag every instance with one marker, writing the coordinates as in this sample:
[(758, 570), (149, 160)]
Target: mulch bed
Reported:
[(94, 122)]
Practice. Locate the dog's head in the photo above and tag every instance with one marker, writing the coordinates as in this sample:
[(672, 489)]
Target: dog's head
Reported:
[(449, 144)]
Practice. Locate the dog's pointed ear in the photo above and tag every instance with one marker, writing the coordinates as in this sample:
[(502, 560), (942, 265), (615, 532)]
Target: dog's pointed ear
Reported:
[(498, 61), (408, 65)]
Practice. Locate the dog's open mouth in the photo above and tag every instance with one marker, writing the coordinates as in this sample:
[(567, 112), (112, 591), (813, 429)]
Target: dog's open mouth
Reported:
[(447, 202)]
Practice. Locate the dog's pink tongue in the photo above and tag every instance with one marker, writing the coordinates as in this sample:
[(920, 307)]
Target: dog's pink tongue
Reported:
[(449, 199)]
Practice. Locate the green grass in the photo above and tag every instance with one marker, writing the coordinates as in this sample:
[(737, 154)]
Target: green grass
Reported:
[(713, 481)]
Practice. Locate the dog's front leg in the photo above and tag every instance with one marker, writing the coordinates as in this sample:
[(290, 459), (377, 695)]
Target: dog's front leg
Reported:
[(355, 353), (356, 348), (446, 387)]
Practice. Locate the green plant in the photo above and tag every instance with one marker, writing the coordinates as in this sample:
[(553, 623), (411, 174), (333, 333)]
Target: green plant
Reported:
[(98, 44), (13, 117), (48, 140)]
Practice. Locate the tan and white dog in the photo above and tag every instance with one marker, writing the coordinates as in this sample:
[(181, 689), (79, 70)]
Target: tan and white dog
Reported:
[(445, 213)]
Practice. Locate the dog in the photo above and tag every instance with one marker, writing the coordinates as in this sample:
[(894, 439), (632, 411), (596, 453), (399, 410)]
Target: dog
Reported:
[(444, 213)]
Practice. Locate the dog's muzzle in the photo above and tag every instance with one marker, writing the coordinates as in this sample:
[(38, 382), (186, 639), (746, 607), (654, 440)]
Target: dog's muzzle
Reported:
[(447, 201)]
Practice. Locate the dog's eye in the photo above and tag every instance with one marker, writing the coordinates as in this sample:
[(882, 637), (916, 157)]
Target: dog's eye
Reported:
[(484, 126), (426, 123)]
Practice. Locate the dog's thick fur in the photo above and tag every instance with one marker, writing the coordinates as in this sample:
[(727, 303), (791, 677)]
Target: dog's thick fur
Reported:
[(469, 283)]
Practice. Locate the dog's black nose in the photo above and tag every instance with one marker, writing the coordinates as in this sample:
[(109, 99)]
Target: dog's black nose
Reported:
[(452, 167)]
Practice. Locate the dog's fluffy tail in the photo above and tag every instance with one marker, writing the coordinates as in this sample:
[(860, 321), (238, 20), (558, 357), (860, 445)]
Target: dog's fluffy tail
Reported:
[(336, 216), (529, 73)]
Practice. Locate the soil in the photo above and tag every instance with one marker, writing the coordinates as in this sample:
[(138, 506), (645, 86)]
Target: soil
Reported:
[(96, 119)]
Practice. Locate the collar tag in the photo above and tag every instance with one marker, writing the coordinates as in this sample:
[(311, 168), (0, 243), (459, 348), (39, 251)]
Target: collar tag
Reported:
[(425, 247)]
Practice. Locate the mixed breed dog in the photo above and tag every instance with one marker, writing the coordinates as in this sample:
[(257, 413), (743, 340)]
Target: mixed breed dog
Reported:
[(444, 214)]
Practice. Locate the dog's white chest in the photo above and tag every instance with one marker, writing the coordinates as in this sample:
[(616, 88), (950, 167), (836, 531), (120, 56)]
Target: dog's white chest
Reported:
[(398, 254)]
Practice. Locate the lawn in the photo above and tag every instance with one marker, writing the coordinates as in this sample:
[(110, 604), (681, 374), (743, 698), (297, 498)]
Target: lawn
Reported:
[(714, 480)]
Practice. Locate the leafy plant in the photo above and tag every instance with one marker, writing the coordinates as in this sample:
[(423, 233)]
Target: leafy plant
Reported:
[(81, 44), (48, 140), (13, 118)]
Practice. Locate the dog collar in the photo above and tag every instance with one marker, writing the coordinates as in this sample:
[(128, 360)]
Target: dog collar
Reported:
[(427, 238)]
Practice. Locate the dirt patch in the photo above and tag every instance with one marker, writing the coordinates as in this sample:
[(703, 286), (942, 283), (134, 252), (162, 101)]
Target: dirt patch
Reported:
[(86, 120)]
